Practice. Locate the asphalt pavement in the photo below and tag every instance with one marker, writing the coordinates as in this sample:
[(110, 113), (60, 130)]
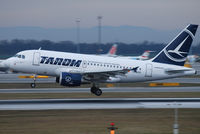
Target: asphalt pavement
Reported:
[(113, 89), (102, 103)]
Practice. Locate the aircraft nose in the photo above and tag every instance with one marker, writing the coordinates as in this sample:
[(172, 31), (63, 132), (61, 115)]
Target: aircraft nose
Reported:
[(6, 63)]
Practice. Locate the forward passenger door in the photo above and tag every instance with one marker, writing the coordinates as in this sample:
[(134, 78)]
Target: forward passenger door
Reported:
[(36, 58)]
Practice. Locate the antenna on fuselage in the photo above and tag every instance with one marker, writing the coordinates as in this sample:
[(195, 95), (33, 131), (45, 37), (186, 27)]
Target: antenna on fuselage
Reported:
[(40, 48)]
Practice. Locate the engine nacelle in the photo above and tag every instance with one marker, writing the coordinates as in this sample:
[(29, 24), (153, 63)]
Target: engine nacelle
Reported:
[(69, 79)]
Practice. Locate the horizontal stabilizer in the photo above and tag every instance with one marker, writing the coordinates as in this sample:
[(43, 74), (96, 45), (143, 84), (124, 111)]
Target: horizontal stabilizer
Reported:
[(177, 71)]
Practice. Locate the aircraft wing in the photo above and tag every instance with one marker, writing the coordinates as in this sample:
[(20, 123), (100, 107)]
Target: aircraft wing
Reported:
[(102, 76)]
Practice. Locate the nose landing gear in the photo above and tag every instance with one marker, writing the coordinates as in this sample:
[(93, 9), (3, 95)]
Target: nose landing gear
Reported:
[(33, 85)]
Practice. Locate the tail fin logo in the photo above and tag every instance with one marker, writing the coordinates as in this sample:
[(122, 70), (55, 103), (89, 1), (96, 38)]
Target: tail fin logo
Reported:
[(113, 50), (177, 53)]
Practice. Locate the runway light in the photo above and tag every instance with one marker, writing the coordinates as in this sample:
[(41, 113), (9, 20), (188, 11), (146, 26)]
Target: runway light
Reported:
[(112, 128), (112, 123)]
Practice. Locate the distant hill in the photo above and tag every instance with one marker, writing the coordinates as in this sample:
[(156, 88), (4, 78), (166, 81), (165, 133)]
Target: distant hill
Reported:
[(125, 34)]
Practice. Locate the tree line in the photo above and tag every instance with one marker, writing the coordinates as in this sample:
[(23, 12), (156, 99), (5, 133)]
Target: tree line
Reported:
[(9, 48)]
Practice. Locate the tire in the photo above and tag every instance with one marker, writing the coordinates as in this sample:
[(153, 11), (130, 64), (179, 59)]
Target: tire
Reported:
[(98, 92), (93, 89), (33, 85)]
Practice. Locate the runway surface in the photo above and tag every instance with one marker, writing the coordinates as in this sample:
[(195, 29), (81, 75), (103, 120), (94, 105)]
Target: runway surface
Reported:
[(13, 78), (102, 103), (114, 89)]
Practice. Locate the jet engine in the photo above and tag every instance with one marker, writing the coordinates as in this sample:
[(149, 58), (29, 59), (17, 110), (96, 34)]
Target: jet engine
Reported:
[(69, 79)]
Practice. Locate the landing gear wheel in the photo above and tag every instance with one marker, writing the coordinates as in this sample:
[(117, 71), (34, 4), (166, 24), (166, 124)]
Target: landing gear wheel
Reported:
[(93, 89), (33, 85), (98, 92)]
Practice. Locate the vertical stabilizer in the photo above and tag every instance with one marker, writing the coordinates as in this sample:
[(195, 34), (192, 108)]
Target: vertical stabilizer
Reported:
[(113, 50), (177, 50)]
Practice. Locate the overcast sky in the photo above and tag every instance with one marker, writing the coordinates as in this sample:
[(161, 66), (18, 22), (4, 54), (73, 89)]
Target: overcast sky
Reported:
[(159, 14)]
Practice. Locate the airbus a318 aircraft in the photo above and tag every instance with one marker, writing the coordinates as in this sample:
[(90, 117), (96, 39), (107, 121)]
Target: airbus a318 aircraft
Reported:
[(72, 69)]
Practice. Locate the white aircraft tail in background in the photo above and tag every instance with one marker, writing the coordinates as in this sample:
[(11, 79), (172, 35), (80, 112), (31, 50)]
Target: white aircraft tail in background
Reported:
[(144, 56), (113, 50)]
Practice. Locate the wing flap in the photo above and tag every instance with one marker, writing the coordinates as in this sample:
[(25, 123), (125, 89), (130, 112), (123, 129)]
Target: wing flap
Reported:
[(107, 75), (102, 76)]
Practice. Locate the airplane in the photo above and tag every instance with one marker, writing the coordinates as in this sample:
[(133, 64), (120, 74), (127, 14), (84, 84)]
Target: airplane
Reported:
[(113, 50), (144, 56), (193, 58), (71, 69)]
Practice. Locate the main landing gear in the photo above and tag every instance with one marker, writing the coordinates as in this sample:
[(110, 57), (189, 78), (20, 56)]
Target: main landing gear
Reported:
[(96, 90)]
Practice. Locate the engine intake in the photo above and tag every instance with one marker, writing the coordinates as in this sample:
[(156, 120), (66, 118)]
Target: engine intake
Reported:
[(69, 79)]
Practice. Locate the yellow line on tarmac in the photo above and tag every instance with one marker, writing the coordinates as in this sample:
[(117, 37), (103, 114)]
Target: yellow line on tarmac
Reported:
[(39, 76), (163, 84)]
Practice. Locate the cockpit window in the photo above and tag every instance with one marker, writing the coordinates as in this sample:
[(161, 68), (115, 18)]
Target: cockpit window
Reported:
[(15, 55), (19, 56)]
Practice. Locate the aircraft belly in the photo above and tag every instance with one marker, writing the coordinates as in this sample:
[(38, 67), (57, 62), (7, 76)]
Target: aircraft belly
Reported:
[(132, 77)]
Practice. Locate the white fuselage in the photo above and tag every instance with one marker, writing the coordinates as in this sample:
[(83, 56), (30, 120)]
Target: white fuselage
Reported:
[(57, 62)]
